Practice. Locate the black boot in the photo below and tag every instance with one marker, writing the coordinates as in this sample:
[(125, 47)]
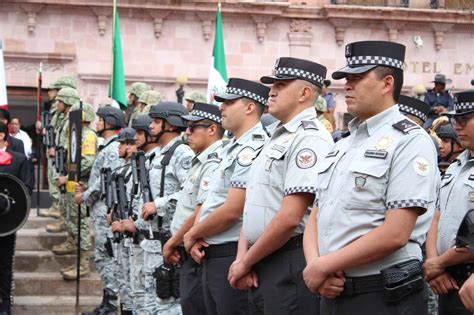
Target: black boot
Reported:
[(98, 308), (110, 304)]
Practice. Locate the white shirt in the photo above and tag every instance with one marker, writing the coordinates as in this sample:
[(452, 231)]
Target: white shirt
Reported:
[(23, 136)]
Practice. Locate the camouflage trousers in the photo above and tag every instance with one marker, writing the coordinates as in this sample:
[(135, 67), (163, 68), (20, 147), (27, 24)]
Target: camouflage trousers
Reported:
[(152, 259), (53, 189), (432, 301), (72, 223), (136, 280), (106, 265), (123, 274)]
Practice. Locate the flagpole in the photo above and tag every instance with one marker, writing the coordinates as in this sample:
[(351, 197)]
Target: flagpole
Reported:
[(38, 145), (111, 87)]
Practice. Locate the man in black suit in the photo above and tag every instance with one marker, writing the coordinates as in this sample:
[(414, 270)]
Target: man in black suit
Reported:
[(13, 143), (15, 164)]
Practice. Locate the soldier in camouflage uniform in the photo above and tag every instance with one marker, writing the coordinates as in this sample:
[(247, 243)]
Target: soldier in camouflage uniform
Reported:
[(167, 126), (65, 98), (134, 93), (88, 152), (146, 142), (321, 107), (55, 119), (111, 120), (147, 99), (194, 97), (126, 148)]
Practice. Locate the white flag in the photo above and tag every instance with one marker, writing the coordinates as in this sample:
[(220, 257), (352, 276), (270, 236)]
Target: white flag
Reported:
[(3, 83)]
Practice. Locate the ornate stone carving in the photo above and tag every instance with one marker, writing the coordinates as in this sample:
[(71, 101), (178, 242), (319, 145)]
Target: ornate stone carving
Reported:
[(31, 10), (439, 30), (102, 14), (261, 21), (207, 18), (158, 19), (300, 26), (31, 66), (340, 26), (392, 29), (27, 61)]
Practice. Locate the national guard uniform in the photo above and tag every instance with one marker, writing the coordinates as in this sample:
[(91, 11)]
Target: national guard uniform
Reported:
[(107, 156), (134, 93), (125, 253), (456, 198), (137, 268), (65, 81), (145, 101), (388, 162), (285, 166), (233, 172), (194, 193), (88, 151), (164, 198)]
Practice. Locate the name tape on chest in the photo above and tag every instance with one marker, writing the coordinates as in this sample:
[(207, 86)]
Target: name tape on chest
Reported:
[(471, 177), (405, 126), (377, 154)]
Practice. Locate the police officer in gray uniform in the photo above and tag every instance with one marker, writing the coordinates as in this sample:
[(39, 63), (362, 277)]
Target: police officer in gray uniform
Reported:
[(281, 192), (447, 268), (204, 135), (216, 232), (111, 120), (361, 241)]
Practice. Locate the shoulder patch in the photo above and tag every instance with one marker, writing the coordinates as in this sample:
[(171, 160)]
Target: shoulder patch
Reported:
[(306, 158), (405, 126), (421, 166), (205, 183), (112, 156), (258, 137), (309, 124), (186, 162), (245, 156)]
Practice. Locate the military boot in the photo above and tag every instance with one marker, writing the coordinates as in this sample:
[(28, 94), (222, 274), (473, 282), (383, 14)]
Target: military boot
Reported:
[(108, 305), (56, 227), (84, 270), (52, 211), (68, 247)]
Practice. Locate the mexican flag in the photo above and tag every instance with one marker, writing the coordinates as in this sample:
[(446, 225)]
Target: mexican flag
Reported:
[(3, 83), (117, 89), (218, 73)]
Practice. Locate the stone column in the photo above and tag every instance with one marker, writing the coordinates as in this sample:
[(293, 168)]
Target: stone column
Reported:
[(300, 38)]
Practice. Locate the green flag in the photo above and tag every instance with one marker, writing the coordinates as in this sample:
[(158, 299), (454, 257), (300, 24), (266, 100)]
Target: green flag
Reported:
[(117, 89), (218, 74)]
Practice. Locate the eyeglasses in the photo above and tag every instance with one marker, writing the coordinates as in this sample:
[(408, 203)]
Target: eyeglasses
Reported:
[(193, 126), (460, 120)]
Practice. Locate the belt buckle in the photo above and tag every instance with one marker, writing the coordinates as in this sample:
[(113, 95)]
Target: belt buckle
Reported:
[(349, 288)]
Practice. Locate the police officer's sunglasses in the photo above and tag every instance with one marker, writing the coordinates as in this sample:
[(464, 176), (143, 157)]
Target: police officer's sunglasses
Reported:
[(460, 120), (191, 127)]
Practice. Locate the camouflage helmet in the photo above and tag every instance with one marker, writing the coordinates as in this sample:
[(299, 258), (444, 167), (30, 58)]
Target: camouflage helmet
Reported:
[(196, 96), (138, 88), (171, 112), (62, 82), (112, 116), (150, 97), (321, 105), (126, 135), (88, 113), (142, 122), (68, 96)]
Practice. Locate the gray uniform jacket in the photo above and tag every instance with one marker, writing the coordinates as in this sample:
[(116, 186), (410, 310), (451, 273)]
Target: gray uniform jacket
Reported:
[(456, 198), (285, 166), (197, 184), (388, 162), (233, 171)]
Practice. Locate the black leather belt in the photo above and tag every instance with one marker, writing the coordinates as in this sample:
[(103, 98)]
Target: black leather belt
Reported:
[(460, 272), (361, 285), (221, 250), (146, 234), (182, 252)]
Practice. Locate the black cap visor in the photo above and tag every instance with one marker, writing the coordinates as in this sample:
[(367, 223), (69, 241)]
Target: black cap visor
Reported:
[(454, 113), (192, 118), (269, 79), (344, 72), (226, 96)]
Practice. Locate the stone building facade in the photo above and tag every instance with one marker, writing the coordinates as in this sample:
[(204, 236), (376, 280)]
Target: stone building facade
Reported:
[(166, 39)]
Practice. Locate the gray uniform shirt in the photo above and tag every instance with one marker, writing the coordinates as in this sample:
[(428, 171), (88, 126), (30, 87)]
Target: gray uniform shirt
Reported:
[(197, 184), (456, 197), (106, 157), (388, 162), (233, 171), (285, 166)]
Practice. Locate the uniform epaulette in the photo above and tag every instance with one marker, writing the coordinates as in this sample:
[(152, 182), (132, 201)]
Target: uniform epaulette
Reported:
[(309, 124), (405, 126), (345, 134), (258, 137)]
